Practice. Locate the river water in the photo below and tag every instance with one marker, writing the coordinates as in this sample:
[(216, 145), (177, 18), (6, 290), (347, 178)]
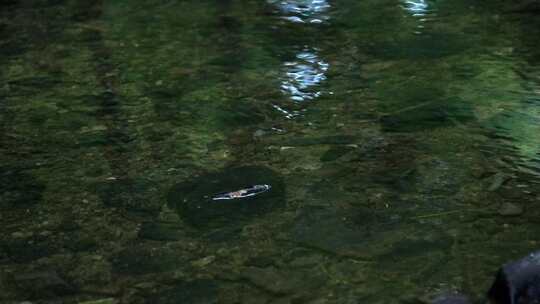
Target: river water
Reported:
[(400, 140)]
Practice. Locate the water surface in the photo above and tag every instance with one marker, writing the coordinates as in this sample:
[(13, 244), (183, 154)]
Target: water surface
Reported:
[(396, 132)]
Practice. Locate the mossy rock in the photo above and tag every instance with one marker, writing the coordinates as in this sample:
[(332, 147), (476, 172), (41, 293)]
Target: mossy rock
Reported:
[(194, 203)]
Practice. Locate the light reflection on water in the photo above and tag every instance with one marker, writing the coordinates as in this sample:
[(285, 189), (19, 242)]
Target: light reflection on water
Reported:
[(416, 7), (287, 113), (303, 76), (303, 11), (421, 10), (305, 73)]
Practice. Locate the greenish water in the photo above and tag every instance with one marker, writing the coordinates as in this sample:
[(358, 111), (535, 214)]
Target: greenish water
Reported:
[(401, 140)]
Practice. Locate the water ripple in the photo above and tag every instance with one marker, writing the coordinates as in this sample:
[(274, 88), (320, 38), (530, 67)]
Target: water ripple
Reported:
[(303, 11), (417, 8), (304, 75), (516, 134), (421, 10)]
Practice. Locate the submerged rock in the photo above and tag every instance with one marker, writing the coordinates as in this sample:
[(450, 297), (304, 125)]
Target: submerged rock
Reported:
[(193, 292), (160, 232), (332, 232), (510, 209), (18, 189), (282, 282), (427, 116), (451, 298), (259, 133), (134, 195), (27, 249), (321, 140), (517, 282), (140, 260), (437, 176), (336, 152), (101, 301), (497, 181), (527, 7), (230, 196), (435, 45), (40, 285)]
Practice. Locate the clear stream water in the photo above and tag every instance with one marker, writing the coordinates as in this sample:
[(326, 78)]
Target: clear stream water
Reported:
[(401, 140)]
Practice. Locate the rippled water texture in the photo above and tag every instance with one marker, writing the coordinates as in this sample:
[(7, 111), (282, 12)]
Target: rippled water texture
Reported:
[(396, 143)]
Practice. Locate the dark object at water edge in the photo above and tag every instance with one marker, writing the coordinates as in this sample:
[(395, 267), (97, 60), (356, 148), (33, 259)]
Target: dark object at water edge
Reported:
[(517, 282), (526, 7)]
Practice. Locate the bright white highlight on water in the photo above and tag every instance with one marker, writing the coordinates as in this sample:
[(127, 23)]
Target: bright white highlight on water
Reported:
[(421, 10), (304, 75), (418, 8), (303, 11), (288, 114)]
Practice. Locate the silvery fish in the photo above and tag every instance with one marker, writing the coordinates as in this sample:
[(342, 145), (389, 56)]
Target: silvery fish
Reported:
[(242, 193)]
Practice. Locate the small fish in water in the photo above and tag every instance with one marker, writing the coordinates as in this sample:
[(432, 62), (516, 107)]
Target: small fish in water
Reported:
[(242, 193)]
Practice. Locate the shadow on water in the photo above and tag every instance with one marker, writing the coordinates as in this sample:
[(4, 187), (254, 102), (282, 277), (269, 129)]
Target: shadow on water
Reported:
[(18, 189), (131, 194), (22, 30), (428, 114), (196, 203), (425, 46)]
